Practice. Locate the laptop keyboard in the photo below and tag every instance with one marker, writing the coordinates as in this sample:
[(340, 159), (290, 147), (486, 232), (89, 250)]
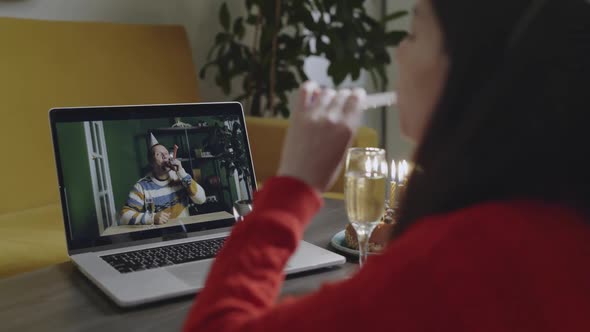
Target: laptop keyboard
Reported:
[(152, 258)]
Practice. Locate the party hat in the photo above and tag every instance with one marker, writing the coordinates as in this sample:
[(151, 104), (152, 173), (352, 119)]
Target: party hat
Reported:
[(153, 140)]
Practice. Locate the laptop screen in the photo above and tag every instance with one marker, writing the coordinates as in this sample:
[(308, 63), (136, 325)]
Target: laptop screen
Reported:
[(139, 172)]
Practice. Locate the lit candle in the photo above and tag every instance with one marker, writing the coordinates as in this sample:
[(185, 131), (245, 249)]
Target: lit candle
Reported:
[(402, 175), (402, 172), (392, 185), (406, 171)]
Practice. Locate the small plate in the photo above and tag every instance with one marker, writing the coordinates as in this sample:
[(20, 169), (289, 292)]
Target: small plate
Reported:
[(339, 243)]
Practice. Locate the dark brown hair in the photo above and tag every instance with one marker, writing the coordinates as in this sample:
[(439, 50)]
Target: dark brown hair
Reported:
[(514, 115)]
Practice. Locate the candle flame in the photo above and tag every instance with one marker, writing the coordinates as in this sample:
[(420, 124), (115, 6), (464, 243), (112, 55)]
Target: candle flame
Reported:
[(393, 170), (402, 171)]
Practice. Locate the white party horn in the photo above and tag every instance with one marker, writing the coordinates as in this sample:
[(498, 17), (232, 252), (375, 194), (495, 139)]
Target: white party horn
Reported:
[(377, 100)]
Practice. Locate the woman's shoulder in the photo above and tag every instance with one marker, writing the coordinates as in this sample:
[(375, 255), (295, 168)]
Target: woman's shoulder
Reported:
[(505, 212), (506, 257), (503, 225), (512, 214)]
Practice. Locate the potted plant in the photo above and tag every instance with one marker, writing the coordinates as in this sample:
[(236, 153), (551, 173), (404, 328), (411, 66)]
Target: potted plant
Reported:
[(285, 33)]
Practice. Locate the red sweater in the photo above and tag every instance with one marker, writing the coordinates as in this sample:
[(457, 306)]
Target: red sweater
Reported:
[(504, 266)]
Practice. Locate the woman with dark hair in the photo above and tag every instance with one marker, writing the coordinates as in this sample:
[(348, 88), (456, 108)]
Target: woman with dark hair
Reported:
[(494, 227)]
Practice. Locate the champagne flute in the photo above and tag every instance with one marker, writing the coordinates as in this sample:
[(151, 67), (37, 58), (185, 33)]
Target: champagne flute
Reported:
[(241, 208), (364, 191)]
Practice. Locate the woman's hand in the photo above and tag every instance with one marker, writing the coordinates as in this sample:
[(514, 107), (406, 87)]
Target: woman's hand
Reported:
[(321, 130)]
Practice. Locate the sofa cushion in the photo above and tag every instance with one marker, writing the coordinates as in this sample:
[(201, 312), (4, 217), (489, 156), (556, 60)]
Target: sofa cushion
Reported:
[(31, 239)]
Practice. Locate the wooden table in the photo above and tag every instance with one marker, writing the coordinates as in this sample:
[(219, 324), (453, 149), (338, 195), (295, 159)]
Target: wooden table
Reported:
[(173, 222), (60, 298)]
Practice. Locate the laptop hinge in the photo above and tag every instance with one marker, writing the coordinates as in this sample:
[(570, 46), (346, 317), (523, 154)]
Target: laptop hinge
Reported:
[(174, 236)]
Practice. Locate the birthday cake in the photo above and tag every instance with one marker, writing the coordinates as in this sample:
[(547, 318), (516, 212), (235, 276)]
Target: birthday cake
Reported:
[(380, 236)]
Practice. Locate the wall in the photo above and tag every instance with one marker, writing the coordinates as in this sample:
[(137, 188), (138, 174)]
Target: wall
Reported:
[(201, 20), (199, 17), (127, 11), (397, 146), (76, 171)]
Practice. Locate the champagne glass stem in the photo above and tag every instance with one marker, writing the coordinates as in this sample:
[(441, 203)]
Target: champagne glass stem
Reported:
[(363, 234)]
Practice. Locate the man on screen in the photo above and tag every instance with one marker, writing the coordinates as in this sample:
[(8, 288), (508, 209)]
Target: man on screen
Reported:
[(164, 193)]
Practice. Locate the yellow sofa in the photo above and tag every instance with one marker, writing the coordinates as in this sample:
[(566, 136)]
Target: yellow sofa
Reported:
[(45, 64)]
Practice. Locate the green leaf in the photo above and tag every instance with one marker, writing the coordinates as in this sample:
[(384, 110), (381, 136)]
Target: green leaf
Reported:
[(395, 16), (239, 27), (355, 70), (393, 38), (286, 81), (344, 11), (309, 22), (381, 56), (374, 80), (382, 75), (284, 111), (337, 73), (318, 4), (301, 73), (283, 98), (221, 38), (252, 19), (335, 50), (224, 17)]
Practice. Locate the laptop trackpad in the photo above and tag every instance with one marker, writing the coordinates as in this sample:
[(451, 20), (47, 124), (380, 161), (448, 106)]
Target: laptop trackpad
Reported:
[(193, 274)]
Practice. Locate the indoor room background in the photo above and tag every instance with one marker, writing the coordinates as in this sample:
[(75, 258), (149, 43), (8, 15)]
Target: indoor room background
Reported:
[(199, 16)]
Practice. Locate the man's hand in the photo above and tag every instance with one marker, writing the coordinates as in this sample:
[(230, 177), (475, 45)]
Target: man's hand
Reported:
[(176, 165), (161, 218), (321, 129)]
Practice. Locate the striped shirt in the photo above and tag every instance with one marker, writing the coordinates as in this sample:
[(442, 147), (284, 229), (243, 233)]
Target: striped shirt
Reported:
[(150, 196)]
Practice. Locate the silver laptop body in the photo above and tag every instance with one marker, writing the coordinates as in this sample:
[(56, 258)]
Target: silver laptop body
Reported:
[(99, 154)]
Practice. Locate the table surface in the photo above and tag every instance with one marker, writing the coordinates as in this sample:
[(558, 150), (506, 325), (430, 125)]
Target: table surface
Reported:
[(60, 298), (173, 222)]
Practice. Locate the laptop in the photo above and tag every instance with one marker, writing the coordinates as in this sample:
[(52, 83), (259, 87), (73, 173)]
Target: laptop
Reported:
[(138, 226)]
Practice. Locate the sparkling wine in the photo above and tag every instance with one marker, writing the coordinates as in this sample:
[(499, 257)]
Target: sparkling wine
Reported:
[(364, 196)]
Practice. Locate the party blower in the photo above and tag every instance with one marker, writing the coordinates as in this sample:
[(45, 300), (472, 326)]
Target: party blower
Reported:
[(377, 100)]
